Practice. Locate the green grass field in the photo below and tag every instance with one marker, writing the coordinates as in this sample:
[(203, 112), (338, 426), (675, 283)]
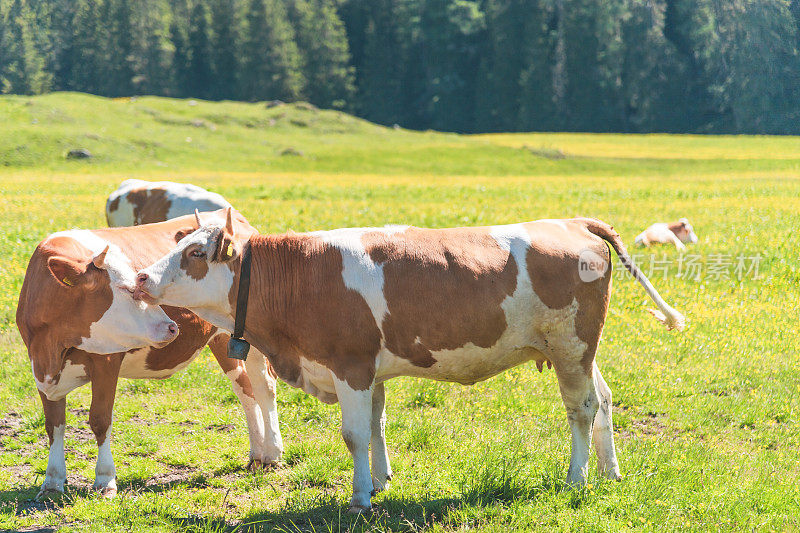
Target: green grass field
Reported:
[(707, 422)]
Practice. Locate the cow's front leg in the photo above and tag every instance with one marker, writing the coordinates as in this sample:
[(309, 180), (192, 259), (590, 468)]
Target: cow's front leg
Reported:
[(242, 386), (104, 371), (604, 429), (356, 420), (580, 401), (264, 388), (381, 471), (54, 422)]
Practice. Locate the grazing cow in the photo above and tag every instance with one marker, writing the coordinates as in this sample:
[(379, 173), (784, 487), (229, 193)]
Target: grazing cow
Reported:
[(138, 202), (675, 233), (340, 312), (80, 323)]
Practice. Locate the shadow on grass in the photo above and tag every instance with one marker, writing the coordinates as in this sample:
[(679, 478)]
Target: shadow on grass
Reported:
[(496, 485), (23, 500)]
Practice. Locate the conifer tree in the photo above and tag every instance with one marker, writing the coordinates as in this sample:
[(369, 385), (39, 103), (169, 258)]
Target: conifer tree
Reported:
[(270, 58), (224, 59), (199, 75)]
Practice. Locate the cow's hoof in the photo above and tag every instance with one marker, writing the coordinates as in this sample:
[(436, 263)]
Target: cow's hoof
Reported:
[(106, 490), (358, 509), (612, 474), (256, 465), (380, 486), (45, 492)]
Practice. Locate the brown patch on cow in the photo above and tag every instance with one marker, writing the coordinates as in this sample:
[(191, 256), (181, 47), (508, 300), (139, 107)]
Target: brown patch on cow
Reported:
[(149, 205), (195, 267), (54, 414), (194, 334), (443, 289), (112, 206), (679, 229), (553, 262), (304, 309)]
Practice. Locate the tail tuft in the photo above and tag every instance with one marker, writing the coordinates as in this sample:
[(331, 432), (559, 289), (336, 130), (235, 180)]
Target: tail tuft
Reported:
[(673, 320)]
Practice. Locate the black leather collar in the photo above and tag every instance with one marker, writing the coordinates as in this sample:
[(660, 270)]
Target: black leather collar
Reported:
[(237, 346)]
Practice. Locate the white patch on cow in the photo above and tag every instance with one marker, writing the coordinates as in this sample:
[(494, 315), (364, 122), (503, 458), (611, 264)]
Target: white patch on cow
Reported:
[(184, 199), (134, 366), (534, 331), (123, 215), (105, 474), (67, 380), (56, 473), (560, 223), (317, 380), (360, 273)]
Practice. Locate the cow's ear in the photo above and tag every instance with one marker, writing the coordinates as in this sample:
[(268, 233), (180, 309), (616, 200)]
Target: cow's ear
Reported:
[(229, 221), (67, 272), (181, 233), (227, 250)]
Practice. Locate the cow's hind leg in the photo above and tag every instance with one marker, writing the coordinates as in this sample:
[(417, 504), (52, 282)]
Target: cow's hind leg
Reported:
[(54, 422), (356, 421), (381, 471), (580, 400), (604, 429)]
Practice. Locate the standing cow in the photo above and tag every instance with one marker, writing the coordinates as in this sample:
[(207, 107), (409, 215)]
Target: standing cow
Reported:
[(80, 323), (138, 202), (340, 312)]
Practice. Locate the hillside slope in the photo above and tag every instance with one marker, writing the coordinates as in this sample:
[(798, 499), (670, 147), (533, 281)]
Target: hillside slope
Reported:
[(164, 134)]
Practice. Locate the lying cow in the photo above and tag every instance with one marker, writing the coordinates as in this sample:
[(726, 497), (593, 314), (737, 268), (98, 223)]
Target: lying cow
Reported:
[(80, 323), (138, 202), (676, 233), (340, 312)]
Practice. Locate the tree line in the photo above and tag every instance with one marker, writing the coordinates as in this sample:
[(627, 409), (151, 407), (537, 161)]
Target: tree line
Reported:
[(706, 66)]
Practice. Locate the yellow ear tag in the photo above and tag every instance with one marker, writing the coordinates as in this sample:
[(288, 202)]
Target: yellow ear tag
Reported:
[(229, 251), (67, 282)]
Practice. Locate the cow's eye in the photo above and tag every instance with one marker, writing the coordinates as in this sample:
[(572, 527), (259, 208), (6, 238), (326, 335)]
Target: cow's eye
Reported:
[(197, 253)]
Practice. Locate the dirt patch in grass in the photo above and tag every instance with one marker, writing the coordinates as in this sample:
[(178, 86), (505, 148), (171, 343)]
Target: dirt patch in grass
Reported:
[(10, 425), (176, 474), (222, 428), (649, 424)]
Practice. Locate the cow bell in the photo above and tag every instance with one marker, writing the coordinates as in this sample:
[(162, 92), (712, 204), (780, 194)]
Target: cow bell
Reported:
[(238, 348)]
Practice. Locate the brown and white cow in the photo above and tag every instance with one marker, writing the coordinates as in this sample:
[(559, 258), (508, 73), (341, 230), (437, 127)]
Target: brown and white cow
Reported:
[(144, 202), (675, 233), (80, 323), (340, 312)]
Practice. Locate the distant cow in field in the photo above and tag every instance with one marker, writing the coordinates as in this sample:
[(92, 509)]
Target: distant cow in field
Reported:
[(340, 312), (81, 324), (138, 202), (676, 233)]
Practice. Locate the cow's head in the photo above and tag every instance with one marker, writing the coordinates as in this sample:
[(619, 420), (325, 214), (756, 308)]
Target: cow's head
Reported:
[(684, 231), (106, 282), (78, 293), (199, 272)]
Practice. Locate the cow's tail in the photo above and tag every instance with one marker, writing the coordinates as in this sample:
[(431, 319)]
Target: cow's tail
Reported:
[(665, 314)]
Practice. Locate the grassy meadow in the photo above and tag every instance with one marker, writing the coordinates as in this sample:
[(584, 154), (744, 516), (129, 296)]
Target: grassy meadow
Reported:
[(707, 422)]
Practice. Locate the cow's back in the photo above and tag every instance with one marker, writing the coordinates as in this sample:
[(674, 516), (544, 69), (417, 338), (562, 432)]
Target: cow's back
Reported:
[(138, 202)]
